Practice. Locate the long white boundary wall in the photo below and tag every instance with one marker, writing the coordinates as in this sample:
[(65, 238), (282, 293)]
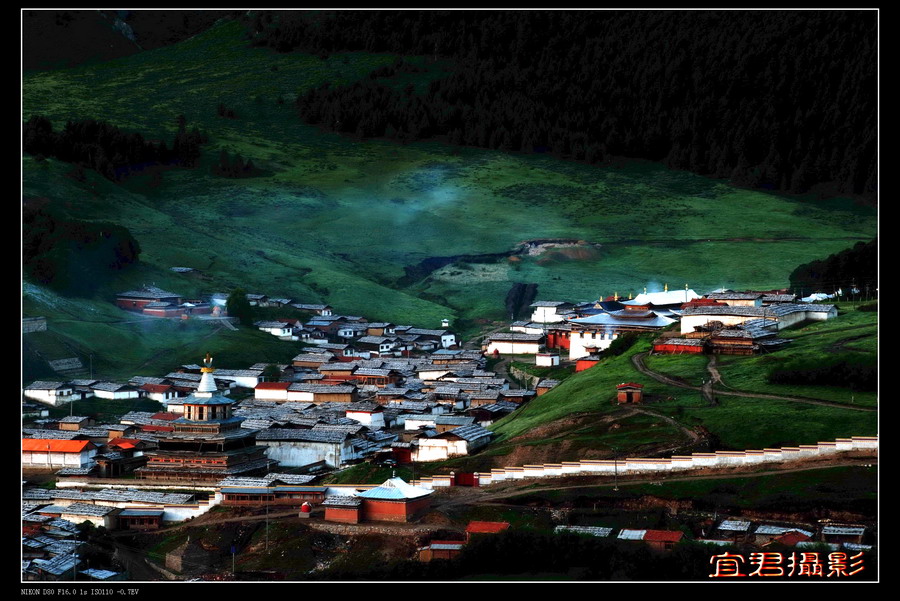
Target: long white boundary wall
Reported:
[(676, 463)]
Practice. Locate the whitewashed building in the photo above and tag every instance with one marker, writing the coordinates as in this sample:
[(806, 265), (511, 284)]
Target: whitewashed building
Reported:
[(53, 393), (549, 311), (452, 443), (514, 344), (297, 448), (56, 453)]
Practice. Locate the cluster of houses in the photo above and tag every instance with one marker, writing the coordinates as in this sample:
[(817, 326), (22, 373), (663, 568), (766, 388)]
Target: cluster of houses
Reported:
[(390, 393), (743, 533), (722, 322), (156, 302), (825, 533), (358, 390)]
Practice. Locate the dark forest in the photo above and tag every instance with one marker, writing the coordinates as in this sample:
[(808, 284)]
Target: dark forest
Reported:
[(775, 100)]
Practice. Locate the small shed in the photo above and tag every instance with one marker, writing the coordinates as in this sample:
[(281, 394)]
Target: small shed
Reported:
[(629, 392), (441, 549), (395, 501), (546, 360), (140, 519), (343, 509), (662, 540)]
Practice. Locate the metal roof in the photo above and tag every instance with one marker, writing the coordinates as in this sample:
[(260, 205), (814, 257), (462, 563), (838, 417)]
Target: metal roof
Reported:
[(247, 490), (610, 320), (275, 434), (592, 530), (632, 534), (395, 489), (776, 530), (342, 501), (843, 530), (142, 513), (734, 525)]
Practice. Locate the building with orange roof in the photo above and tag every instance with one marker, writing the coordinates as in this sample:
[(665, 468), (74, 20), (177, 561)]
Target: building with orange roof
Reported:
[(41, 453), (485, 528), (662, 540)]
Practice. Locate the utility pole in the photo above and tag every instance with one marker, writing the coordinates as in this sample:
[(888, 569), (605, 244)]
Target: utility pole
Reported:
[(615, 469)]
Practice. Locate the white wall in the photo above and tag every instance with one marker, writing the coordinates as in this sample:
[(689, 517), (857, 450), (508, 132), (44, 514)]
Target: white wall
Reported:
[(510, 347), (270, 395), (56, 460), (300, 453), (696, 460), (53, 397), (372, 420), (545, 315), (546, 360), (579, 340)]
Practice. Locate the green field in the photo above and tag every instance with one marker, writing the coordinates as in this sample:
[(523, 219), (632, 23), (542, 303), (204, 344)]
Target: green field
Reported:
[(736, 423), (853, 333), (336, 220)]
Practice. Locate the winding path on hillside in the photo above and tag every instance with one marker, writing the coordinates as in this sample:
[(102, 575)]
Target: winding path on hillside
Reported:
[(707, 389)]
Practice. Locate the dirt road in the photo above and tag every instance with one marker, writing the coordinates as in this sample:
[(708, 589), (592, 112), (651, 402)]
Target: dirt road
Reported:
[(638, 361)]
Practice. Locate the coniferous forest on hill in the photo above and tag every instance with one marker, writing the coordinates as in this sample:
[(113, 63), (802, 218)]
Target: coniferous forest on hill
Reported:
[(776, 100)]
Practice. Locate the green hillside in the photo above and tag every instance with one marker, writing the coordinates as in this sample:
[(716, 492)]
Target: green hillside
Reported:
[(337, 220), (583, 406)]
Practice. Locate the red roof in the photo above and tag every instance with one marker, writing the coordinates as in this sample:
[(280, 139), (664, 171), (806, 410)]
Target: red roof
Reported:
[(629, 385), (148, 428), (487, 527), (123, 443), (157, 387), (791, 538), (273, 386), (166, 415), (666, 536), (56, 446), (701, 302)]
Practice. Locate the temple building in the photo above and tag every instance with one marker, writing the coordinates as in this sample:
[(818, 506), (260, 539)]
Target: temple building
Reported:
[(208, 443), (395, 501)]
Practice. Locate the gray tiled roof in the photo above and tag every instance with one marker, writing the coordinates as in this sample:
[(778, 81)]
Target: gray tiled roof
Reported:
[(274, 434), (592, 530), (516, 337), (342, 501), (111, 386), (321, 388), (469, 433), (843, 530), (734, 525), (45, 385)]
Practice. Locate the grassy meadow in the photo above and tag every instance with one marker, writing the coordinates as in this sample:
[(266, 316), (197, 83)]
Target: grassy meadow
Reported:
[(736, 423)]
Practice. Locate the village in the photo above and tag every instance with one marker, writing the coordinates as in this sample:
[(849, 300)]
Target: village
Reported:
[(381, 393)]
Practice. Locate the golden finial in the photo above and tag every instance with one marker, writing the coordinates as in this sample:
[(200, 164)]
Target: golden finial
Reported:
[(666, 288), (207, 361)]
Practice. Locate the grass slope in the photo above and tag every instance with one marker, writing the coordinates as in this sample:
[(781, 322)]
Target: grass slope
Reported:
[(737, 423)]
